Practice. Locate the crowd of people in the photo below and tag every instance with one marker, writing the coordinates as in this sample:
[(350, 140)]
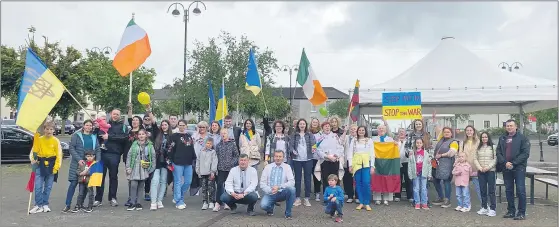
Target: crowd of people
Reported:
[(223, 162)]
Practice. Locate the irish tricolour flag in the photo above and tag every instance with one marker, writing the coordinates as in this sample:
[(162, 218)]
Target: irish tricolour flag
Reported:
[(307, 79), (134, 49)]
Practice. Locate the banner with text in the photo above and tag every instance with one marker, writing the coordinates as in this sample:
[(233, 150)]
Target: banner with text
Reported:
[(401, 105)]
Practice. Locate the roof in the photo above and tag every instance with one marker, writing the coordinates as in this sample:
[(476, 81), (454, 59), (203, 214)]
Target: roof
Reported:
[(331, 92)]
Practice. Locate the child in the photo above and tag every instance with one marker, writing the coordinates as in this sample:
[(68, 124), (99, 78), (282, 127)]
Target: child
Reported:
[(419, 171), (140, 164), (46, 159), (461, 172), (83, 180), (101, 122), (334, 198), (206, 168)]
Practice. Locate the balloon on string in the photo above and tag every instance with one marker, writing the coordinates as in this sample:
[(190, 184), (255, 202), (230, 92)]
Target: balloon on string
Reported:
[(323, 111), (144, 98)]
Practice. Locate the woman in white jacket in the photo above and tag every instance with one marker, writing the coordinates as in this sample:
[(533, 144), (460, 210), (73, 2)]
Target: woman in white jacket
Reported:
[(331, 153), (348, 175)]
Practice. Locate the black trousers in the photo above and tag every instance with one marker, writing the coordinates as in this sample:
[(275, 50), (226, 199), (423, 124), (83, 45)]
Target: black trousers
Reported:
[(348, 183), (327, 168), (221, 177), (408, 184), (147, 186), (111, 162)]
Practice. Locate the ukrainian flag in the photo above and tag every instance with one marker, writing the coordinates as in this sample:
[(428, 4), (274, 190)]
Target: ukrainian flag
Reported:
[(96, 174), (252, 77), (40, 90), (222, 104), (212, 102)]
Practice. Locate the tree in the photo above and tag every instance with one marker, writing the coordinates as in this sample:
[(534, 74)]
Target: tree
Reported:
[(169, 107), (339, 107)]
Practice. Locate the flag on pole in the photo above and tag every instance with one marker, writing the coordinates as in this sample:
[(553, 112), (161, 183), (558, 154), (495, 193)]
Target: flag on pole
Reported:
[(387, 168), (221, 105), (354, 104), (307, 79), (212, 101), (40, 90), (96, 174), (133, 50), (253, 82), (31, 183)]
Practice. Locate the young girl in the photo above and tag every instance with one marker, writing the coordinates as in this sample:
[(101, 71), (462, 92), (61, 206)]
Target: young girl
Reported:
[(461, 172), (485, 161), (159, 177), (334, 198), (419, 171), (141, 163), (206, 168)]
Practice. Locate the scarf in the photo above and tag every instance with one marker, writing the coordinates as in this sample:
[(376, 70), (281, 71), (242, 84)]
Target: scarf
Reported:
[(249, 134)]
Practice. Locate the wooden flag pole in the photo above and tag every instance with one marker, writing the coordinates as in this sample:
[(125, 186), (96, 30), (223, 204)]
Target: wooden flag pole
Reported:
[(29, 204), (130, 91), (70, 93)]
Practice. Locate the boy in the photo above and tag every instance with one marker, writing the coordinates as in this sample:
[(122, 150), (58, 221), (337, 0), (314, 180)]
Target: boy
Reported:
[(334, 198), (83, 181), (46, 158), (206, 168)]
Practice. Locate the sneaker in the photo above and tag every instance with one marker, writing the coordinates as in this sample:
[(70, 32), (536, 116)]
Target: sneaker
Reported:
[(258, 194), (385, 202), (226, 207), (251, 213), (458, 208), (46, 208), (175, 202), (465, 209), (338, 219), (491, 213), (66, 209), (160, 205), (297, 202), (76, 209), (396, 199), (128, 203), (97, 204), (356, 200), (131, 208), (377, 202), (417, 206), (147, 197), (138, 206), (438, 202), (482, 211), (350, 200), (36, 209), (410, 200), (289, 217), (181, 207), (520, 217), (446, 204), (425, 207), (270, 213), (509, 215), (216, 207), (114, 203), (211, 206), (88, 209), (306, 202), (317, 197), (205, 206), (153, 206), (233, 210)]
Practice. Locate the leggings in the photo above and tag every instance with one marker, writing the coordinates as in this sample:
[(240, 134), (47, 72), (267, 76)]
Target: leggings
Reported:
[(136, 187)]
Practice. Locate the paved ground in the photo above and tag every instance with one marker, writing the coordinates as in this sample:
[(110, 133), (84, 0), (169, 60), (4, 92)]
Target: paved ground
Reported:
[(14, 205)]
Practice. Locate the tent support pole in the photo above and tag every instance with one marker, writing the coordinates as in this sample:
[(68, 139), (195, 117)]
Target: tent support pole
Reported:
[(521, 114)]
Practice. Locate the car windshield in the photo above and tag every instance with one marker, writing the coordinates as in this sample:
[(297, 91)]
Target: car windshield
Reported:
[(8, 122)]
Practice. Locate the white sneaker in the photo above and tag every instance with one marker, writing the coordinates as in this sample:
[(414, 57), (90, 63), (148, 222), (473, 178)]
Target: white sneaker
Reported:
[(216, 207), (458, 208), (317, 197), (153, 206), (465, 209), (211, 206), (226, 207), (36, 209), (491, 213), (205, 206), (97, 204), (482, 211), (46, 209), (258, 194), (175, 202), (160, 205), (356, 200), (306, 202), (297, 202), (350, 200), (181, 207)]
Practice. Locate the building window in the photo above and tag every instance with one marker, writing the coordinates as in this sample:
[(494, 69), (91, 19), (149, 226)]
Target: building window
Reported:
[(81, 117), (314, 108), (486, 124), (471, 122)]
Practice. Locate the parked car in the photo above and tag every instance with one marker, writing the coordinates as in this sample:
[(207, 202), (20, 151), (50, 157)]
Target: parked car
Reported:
[(552, 139), (191, 128), (68, 128), (9, 123), (77, 125), (17, 143)]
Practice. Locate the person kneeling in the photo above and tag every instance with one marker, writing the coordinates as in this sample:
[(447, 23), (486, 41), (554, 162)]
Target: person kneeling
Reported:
[(278, 183), (334, 198), (240, 186)]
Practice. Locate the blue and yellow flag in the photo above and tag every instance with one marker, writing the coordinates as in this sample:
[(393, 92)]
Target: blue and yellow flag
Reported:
[(249, 134), (212, 101), (96, 174), (40, 90), (253, 82), (221, 105)]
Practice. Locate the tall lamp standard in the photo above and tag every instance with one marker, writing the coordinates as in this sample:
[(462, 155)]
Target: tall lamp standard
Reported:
[(105, 50), (186, 16), (290, 69)]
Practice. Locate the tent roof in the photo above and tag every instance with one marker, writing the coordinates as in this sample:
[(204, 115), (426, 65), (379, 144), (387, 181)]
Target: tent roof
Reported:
[(454, 80)]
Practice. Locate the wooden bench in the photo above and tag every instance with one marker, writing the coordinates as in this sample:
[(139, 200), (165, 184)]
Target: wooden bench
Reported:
[(499, 183), (547, 182)]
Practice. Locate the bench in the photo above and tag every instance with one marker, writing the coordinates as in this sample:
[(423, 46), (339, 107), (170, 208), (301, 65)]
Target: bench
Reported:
[(499, 183), (547, 182)]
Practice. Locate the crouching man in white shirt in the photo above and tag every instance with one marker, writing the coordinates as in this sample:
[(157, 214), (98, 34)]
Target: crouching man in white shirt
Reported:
[(278, 183), (240, 186)]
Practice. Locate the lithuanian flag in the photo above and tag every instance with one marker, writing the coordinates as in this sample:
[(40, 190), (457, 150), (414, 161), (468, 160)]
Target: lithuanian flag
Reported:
[(133, 50), (387, 168)]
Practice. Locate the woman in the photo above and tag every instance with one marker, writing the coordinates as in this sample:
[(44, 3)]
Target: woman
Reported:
[(316, 131), (83, 140), (215, 130), (485, 160), (384, 196), (445, 150), (408, 184), (335, 125), (250, 143), (302, 153), (331, 152), (227, 158), (159, 178), (200, 138), (182, 156), (278, 141), (362, 154), (348, 175), (470, 146)]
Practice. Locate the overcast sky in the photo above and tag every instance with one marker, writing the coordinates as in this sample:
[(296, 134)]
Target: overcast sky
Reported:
[(344, 41)]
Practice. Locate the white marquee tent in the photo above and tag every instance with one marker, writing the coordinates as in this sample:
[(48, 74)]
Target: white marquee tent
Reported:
[(453, 80)]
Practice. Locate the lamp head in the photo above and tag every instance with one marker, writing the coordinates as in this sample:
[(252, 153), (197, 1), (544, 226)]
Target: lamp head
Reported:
[(197, 11), (176, 12), (285, 69), (516, 67), (503, 67)]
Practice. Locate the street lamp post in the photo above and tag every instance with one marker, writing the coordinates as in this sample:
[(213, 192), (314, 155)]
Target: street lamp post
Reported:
[(506, 66), (290, 69), (105, 50), (186, 16)]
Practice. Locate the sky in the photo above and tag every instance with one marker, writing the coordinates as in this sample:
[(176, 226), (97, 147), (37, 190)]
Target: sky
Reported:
[(344, 41)]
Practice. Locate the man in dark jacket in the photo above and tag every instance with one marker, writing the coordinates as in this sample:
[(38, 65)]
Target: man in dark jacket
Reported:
[(233, 130), (513, 151), (116, 138)]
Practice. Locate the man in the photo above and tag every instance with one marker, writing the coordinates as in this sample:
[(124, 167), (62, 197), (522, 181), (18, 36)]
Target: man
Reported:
[(116, 138), (513, 151), (278, 183), (233, 130), (240, 186), (174, 119)]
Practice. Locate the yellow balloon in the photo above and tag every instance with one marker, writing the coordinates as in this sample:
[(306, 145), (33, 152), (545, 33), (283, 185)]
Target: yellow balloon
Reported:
[(143, 98)]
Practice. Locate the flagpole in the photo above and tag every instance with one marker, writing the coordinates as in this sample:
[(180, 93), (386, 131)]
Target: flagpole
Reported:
[(130, 91), (29, 204), (70, 93), (349, 110), (223, 103)]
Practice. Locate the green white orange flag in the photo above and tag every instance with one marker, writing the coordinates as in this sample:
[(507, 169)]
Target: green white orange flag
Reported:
[(307, 79), (134, 49)]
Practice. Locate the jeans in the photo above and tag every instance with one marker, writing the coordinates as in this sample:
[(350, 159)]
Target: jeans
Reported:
[(287, 194), (439, 188), (407, 184), (332, 207), (316, 182), (487, 188), (299, 168), (515, 177), (71, 191), (463, 196), (363, 185), (250, 199), (348, 184), (85, 191), (43, 187), (221, 178), (110, 164), (475, 181), (136, 186), (420, 190), (158, 185), (181, 185)]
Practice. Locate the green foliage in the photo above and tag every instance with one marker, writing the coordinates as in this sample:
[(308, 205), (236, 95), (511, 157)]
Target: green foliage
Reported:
[(169, 107), (339, 107), (546, 116), (495, 132)]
